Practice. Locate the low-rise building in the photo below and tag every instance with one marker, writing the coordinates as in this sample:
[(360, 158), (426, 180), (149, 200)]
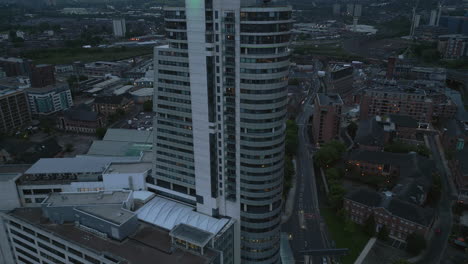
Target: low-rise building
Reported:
[(401, 218), (108, 105), (373, 134), (79, 174), (142, 95), (50, 99), (103, 68), (80, 119), (101, 228), (411, 172)]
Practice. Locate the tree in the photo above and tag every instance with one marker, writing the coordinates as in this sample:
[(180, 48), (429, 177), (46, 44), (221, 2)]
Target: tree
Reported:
[(435, 191), (415, 243), (292, 141), (120, 112), (352, 129), (335, 196), (401, 261), (69, 147), (101, 132), (293, 82), (383, 233), (329, 153), (148, 106), (334, 174), (369, 226)]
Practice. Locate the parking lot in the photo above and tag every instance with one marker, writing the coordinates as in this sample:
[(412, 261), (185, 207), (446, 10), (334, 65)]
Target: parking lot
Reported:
[(142, 121)]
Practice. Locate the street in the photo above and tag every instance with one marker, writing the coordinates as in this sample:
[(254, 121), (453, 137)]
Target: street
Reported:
[(438, 243), (305, 225)]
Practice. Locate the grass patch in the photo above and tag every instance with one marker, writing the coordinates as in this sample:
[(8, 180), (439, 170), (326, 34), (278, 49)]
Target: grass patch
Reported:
[(70, 55), (355, 240)]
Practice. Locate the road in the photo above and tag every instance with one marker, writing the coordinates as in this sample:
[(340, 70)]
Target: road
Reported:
[(438, 243), (305, 226)]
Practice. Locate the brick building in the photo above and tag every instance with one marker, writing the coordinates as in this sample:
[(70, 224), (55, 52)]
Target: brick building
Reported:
[(15, 66), (401, 218), (42, 75), (327, 117), (389, 100), (108, 105), (81, 120), (373, 134), (411, 172)]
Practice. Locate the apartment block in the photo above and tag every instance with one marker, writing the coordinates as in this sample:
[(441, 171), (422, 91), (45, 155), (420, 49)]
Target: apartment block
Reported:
[(390, 100), (14, 110), (50, 99), (327, 117), (220, 98)]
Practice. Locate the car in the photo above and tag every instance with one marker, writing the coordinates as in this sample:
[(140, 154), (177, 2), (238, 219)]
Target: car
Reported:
[(324, 260)]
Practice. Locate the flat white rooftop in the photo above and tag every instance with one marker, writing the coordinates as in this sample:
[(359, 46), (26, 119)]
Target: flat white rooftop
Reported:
[(79, 164), (87, 198), (167, 214), (120, 168)]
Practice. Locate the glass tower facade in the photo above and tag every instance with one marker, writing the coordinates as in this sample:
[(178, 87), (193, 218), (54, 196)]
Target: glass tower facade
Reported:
[(220, 101)]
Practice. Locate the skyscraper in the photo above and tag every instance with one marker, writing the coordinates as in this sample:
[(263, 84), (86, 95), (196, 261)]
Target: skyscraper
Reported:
[(220, 101), (119, 27)]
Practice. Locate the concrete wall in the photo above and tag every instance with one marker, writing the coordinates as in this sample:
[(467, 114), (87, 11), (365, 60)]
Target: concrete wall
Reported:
[(117, 181), (111, 229), (9, 198)]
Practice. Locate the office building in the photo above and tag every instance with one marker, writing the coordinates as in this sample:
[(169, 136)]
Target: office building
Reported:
[(220, 99), (14, 110), (50, 99), (327, 117), (119, 27)]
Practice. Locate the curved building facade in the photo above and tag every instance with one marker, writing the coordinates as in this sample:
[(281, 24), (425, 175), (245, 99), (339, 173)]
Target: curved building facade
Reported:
[(220, 100)]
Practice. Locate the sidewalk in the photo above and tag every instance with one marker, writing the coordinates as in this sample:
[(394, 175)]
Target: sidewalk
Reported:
[(366, 250), (289, 204)]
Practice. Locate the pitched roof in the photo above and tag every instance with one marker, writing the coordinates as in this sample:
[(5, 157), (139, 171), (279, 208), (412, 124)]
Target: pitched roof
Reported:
[(410, 212), (415, 171), (404, 121), (370, 132), (393, 205), (80, 113), (115, 99), (365, 196)]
